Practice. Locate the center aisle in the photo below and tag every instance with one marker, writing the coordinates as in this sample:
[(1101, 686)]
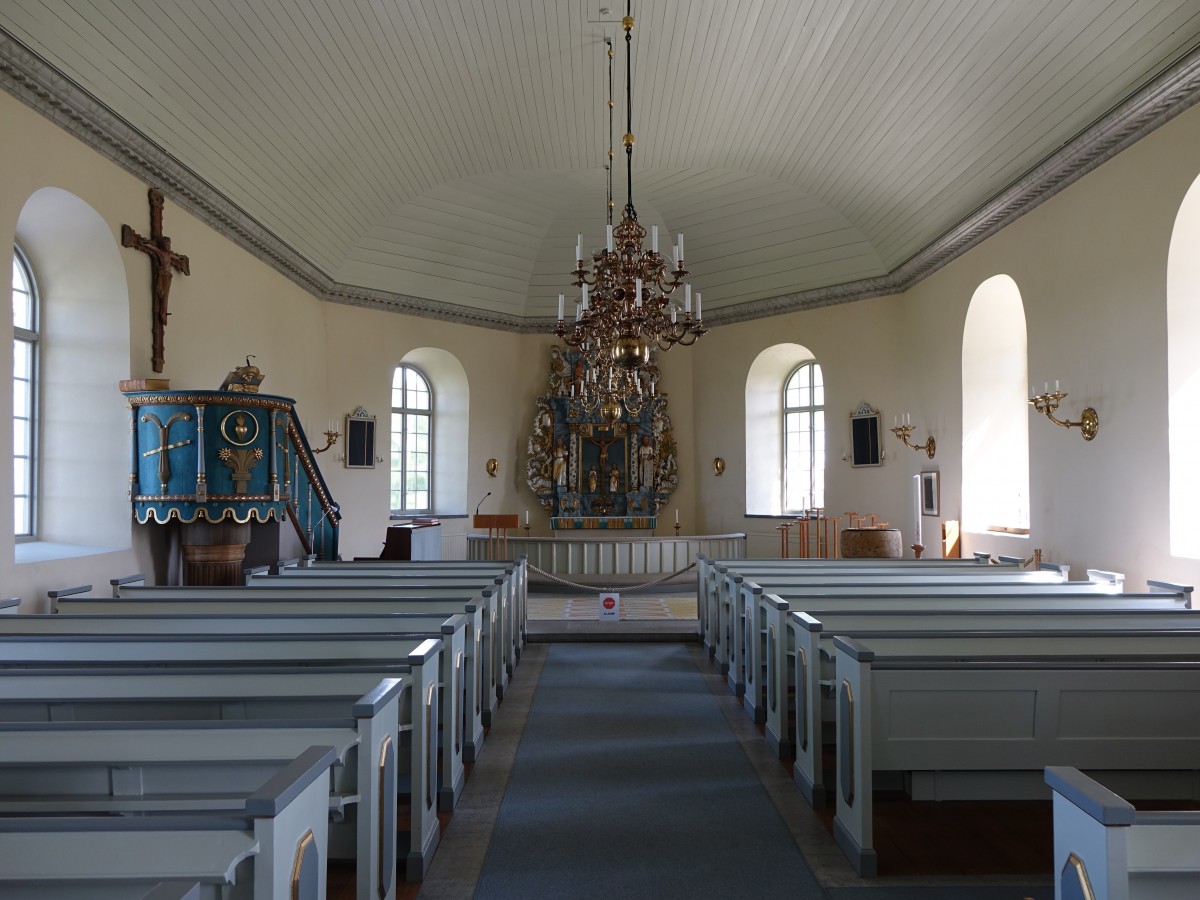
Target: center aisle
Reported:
[(629, 782)]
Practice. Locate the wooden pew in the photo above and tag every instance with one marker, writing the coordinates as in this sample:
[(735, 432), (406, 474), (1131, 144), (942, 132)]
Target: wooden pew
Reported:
[(768, 644), (725, 609), (508, 629), (282, 602), (495, 646), (706, 574), (201, 734), (277, 640), (274, 847), (519, 566), (969, 716), (478, 701), (737, 612), (1103, 847), (513, 572), (813, 666)]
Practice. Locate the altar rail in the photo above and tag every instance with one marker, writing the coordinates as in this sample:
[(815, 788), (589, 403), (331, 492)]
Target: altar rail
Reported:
[(602, 554)]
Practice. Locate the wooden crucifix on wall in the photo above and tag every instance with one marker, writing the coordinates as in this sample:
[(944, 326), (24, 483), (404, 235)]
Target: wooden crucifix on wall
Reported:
[(162, 260)]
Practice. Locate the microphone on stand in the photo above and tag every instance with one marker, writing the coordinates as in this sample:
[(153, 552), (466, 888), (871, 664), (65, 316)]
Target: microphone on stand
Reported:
[(485, 496)]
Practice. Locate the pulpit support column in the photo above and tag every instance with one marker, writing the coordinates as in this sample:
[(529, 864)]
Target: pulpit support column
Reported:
[(214, 553)]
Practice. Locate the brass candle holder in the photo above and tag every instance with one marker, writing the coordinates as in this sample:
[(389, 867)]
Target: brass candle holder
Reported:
[(1047, 403), (904, 432), (330, 439)]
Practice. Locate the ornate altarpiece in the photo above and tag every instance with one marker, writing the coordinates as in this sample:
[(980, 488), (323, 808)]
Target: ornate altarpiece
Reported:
[(589, 473)]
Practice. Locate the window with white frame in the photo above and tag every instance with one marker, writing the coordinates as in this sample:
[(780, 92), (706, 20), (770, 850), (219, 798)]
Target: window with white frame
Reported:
[(804, 439), (412, 442), (25, 341), (995, 410)]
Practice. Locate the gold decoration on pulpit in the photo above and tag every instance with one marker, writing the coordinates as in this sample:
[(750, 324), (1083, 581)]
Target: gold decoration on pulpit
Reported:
[(244, 379), (163, 448), (718, 466), (239, 428), (241, 461), (493, 466)]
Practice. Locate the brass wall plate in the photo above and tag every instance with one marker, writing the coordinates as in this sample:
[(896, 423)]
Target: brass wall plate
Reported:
[(718, 466), (493, 467)]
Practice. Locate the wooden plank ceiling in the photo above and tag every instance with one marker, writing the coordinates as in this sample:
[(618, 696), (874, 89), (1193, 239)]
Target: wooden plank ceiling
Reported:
[(451, 149)]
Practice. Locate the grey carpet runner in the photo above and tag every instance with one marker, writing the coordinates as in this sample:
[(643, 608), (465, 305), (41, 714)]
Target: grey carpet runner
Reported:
[(629, 782)]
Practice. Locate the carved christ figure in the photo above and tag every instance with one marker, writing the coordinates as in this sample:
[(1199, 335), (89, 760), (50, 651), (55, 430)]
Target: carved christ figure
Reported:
[(162, 261), (604, 445)]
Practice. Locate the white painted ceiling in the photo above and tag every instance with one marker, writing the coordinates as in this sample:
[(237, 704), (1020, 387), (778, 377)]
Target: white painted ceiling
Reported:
[(449, 150)]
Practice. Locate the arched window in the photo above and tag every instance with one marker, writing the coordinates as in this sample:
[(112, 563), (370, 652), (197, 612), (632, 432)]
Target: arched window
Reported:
[(804, 439), (995, 410), (25, 368), (412, 442), (1183, 375), (785, 431)]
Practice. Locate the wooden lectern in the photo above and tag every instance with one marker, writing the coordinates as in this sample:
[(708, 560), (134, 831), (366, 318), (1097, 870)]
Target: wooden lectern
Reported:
[(497, 527)]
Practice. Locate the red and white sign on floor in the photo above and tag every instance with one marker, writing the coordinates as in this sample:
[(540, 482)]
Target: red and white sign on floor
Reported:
[(610, 607)]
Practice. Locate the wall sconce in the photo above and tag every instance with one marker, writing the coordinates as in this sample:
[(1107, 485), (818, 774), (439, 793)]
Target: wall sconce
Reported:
[(1047, 403), (904, 432), (331, 436), (718, 466)]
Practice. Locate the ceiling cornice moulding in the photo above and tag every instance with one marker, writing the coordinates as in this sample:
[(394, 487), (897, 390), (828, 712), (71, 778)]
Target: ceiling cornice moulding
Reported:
[(42, 87)]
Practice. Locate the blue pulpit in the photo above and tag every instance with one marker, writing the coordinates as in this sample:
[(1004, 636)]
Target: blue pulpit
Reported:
[(220, 462)]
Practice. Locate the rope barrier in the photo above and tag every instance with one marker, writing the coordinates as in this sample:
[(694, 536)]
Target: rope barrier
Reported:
[(622, 589)]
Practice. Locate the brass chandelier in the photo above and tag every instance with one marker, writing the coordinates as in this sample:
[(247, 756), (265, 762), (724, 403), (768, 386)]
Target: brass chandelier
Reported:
[(628, 300)]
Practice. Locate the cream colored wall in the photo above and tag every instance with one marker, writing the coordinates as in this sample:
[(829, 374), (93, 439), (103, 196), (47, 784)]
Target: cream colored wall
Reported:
[(1090, 264), (860, 357), (1091, 267), (231, 305)]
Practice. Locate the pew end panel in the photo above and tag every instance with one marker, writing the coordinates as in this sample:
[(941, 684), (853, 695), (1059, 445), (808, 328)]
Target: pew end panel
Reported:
[(1091, 830), (1103, 576), (804, 635), (53, 596), (294, 802), (116, 583), (853, 825), (1170, 587), (423, 840), (1118, 852)]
